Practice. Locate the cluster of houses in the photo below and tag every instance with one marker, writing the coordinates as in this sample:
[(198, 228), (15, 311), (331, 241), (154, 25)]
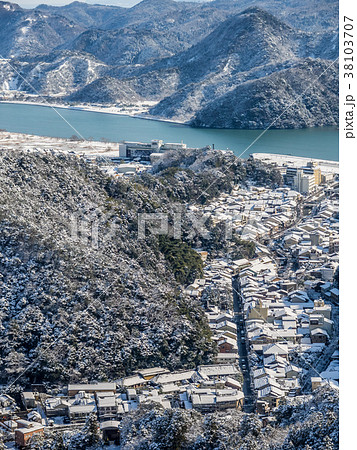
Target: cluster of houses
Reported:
[(216, 293), (207, 388), (255, 212), (287, 292), (278, 318), (217, 282), (280, 321), (14, 424), (288, 308)]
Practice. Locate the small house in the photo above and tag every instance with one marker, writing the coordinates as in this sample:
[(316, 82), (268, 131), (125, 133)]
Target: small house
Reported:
[(25, 433), (319, 336)]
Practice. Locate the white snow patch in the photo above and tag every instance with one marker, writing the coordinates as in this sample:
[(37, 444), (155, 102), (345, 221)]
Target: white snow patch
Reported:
[(24, 30)]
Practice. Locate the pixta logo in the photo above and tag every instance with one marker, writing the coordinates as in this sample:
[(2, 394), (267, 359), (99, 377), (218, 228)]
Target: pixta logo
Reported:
[(89, 227), (173, 224)]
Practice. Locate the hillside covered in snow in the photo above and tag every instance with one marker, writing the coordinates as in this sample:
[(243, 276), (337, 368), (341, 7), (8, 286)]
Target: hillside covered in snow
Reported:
[(194, 62), (82, 296)]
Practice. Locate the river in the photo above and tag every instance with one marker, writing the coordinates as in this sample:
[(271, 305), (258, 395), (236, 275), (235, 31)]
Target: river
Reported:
[(44, 121)]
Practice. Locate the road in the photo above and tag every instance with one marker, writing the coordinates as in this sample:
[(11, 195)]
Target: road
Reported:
[(249, 404), (249, 400)]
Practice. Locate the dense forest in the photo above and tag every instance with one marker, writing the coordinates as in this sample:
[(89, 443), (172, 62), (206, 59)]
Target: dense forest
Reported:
[(81, 296)]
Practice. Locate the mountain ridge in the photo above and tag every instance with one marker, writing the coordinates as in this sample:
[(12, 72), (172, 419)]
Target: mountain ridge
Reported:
[(184, 73)]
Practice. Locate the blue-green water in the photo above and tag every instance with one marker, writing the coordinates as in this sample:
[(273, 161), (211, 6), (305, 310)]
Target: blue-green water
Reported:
[(44, 121)]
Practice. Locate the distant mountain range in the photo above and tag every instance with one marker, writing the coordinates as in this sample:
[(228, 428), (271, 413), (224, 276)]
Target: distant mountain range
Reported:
[(216, 64)]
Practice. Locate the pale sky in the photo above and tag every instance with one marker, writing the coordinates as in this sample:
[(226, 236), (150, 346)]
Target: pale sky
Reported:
[(34, 3)]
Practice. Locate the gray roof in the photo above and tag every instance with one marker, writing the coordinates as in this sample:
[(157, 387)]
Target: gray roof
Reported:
[(92, 387)]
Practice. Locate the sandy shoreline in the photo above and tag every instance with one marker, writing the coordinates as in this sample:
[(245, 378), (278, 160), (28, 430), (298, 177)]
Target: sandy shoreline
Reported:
[(99, 109), (22, 141), (13, 140)]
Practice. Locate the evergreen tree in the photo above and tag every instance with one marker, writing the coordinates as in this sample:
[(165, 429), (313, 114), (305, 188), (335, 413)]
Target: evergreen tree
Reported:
[(91, 431)]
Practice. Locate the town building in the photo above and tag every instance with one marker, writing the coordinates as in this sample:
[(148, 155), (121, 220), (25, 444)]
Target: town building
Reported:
[(143, 150), (304, 183), (74, 389), (25, 432)]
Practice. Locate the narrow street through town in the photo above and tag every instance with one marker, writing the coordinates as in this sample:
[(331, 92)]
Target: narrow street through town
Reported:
[(249, 401), (242, 343)]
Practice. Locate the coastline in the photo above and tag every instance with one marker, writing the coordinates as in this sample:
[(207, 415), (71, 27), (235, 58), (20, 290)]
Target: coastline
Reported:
[(110, 148), (327, 165), (113, 110), (33, 142), (98, 109), (118, 126)]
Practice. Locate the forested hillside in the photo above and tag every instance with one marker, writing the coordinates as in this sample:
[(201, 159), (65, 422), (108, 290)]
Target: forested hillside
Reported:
[(76, 305), (81, 295)]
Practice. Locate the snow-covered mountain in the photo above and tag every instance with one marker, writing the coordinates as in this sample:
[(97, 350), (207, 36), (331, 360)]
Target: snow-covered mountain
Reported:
[(221, 77), (202, 63), (29, 32)]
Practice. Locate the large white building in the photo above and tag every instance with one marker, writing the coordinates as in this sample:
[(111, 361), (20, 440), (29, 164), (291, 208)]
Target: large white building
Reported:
[(143, 150), (304, 183)]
